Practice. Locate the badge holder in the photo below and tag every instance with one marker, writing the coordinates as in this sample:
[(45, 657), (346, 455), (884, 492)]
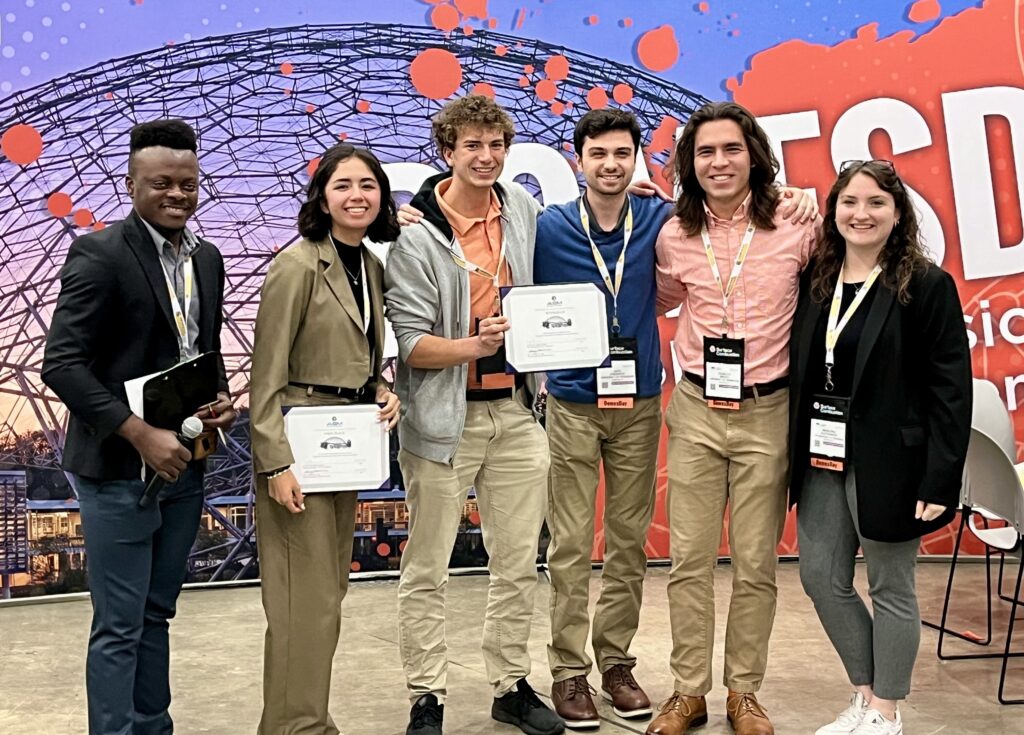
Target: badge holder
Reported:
[(723, 372), (616, 384), (829, 419)]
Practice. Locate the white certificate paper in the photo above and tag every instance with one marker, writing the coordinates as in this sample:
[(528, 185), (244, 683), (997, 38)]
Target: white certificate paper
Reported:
[(338, 448), (555, 327)]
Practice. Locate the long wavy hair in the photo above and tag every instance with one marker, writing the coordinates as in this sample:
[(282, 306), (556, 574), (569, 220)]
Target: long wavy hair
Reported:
[(902, 254), (763, 167), (314, 223)]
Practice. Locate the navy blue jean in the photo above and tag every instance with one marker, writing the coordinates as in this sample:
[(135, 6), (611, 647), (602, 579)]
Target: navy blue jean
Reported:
[(136, 558)]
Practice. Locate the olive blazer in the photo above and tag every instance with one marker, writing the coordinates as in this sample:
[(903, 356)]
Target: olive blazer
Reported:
[(308, 330), (910, 408)]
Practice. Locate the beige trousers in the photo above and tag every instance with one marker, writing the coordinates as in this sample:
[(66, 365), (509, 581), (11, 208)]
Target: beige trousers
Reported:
[(582, 436), (503, 453), (717, 456)]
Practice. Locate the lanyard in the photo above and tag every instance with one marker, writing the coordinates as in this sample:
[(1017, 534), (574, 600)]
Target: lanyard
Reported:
[(620, 265), (471, 268), (180, 318), (366, 293), (835, 325), (734, 275)]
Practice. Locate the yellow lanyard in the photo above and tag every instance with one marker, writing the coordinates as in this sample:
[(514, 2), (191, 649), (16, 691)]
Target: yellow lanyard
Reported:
[(471, 268), (737, 267), (620, 265), (836, 326), (180, 316)]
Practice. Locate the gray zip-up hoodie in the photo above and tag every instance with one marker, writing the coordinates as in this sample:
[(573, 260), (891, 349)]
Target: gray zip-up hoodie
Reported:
[(425, 292)]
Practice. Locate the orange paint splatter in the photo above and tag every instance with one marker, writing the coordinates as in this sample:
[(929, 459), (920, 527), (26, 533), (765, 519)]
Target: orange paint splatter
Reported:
[(622, 93), (472, 8), (287, 68), (474, 518), (363, 106), (923, 11), (467, 29), (83, 218), (310, 109), (592, 20), (664, 137), (528, 69), (342, 136), (597, 98), (524, 82), (627, 22), (704, 7), (483, 88), (108, 96), (501, 49), (401, 546), (383, 550), (355, 566), (59, 204), (492, 23), (312, 166), (557, 68), (22, 144), (546, 90), (557, 108), (444, 18), (287, 92), (436, 73), (99, 226), (658, 49)]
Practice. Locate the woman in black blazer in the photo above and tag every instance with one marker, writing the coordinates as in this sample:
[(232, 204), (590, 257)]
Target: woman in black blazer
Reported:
[(880, 414)]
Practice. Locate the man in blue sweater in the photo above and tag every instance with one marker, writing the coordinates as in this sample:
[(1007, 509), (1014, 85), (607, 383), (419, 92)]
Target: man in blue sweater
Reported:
[(609, 414)]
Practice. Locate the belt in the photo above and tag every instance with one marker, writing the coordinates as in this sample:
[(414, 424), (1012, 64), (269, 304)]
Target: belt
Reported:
[(353, 394), (749, 391), (488, 394)]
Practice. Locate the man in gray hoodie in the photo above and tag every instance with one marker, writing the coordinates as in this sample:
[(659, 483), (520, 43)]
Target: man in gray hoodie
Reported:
[(464, 422)]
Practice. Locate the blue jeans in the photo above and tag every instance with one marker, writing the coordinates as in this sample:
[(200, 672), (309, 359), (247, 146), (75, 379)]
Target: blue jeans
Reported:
[(136, 559)]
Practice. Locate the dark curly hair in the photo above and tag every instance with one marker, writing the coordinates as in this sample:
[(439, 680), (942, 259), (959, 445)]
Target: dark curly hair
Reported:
[(471, 111), (764, 196), (314, 223), (902, 254)]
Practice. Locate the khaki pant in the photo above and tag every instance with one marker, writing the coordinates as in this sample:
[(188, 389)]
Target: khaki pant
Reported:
[(304, 565), (580, 436), (504, 454), (715, 456)]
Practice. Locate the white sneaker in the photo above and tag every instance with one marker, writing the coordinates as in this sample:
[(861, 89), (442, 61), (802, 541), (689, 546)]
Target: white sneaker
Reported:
[(848, 719), (875, 723)]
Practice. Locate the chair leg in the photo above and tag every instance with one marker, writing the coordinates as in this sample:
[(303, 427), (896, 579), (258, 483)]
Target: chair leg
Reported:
[(1007, 655), (965, 512)]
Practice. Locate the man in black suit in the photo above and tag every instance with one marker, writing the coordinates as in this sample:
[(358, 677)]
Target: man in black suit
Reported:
[(136, 298)]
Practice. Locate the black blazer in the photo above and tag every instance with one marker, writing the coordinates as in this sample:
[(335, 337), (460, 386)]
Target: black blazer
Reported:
[(910, 412), (113, 322)]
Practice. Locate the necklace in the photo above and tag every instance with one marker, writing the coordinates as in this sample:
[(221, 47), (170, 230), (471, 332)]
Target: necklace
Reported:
[(354, 277)]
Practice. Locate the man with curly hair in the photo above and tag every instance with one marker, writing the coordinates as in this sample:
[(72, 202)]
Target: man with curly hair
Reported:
[(464, 422)]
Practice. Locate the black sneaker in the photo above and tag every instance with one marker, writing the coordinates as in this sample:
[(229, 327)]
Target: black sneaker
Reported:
[(426, 716), (522, 707)]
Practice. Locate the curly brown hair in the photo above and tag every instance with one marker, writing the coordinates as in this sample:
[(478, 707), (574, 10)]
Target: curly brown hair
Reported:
[(764, 196), (471, 111), (902, 254)]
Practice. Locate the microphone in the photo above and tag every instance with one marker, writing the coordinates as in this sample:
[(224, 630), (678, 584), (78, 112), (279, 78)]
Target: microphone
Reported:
[(190, 429)]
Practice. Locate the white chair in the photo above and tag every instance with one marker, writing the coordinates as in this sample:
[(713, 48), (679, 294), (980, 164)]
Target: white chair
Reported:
[(993, 491)]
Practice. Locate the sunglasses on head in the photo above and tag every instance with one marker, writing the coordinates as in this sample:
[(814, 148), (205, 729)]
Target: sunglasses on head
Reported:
[(878, 161)]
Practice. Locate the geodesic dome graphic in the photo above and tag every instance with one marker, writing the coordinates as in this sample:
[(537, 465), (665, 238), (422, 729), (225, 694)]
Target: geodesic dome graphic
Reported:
[(265, 104)]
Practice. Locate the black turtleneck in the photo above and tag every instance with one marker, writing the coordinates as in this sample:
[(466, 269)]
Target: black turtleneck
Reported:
[(352, 263)]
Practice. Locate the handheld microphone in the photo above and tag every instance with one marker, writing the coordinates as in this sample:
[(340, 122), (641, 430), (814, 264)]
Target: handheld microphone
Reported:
[(190, 429)]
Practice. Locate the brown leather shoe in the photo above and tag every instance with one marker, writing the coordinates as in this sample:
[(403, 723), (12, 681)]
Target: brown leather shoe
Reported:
[(574, 704), (746, 715), (620, 688), (679, 714)]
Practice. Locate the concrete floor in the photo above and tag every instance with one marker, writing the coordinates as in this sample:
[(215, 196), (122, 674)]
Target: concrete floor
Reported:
[(217, 651)]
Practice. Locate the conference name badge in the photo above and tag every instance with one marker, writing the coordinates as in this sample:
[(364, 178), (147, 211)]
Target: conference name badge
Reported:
[(723, 372), (616, 384), (829, 419)]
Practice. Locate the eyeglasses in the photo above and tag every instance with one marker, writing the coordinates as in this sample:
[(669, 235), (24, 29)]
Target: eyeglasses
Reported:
[(845, 165)]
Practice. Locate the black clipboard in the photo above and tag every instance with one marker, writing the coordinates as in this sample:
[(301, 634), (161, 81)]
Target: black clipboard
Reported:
[(175, 394)]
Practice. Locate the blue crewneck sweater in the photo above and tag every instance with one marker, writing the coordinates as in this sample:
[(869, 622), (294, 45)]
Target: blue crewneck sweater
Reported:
[(563, 255)]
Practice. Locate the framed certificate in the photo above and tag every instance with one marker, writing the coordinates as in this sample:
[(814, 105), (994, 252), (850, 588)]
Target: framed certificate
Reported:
[(555, 327), (338, 448)]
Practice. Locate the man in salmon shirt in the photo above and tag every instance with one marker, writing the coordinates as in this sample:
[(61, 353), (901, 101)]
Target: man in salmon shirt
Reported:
[(731, 261), (464, 422)]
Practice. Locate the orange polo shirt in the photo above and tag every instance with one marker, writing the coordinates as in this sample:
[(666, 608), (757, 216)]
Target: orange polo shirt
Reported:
[(480, 238)]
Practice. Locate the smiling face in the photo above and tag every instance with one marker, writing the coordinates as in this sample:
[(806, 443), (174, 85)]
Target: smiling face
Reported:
[(608, 161), (163, 184), (352, 199), (721, 162), (478, 157), (865, 214)]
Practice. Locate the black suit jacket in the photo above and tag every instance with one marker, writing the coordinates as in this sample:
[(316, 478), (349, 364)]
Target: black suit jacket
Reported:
[(113, 322), (910, 409)]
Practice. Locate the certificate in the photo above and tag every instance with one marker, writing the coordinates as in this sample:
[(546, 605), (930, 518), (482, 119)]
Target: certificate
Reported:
[(338, 447), (555, 327)]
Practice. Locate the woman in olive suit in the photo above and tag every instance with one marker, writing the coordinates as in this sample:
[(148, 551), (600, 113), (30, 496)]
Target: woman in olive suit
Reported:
[(319, 341)]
